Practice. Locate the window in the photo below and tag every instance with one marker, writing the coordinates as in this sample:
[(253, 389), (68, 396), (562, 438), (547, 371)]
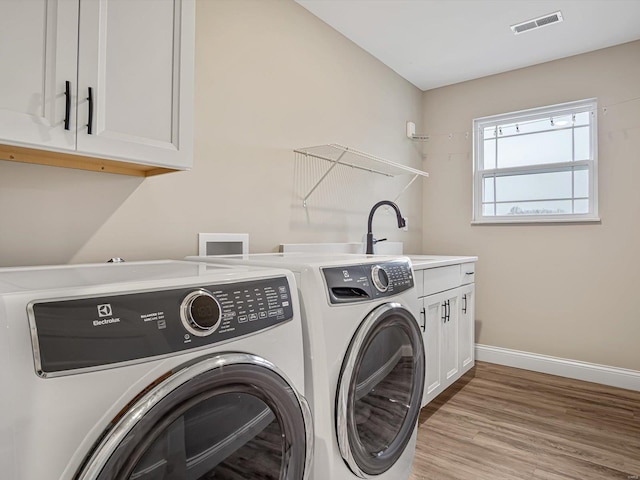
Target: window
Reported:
[(537, 165)]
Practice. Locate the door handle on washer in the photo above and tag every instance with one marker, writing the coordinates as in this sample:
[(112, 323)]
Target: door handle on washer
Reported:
[(423, 314)]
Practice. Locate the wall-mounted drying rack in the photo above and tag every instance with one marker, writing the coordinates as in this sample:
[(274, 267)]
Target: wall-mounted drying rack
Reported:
[(349, 157)]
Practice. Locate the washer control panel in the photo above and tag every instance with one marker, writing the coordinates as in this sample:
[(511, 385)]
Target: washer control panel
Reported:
[(357, 283), (93, 332)]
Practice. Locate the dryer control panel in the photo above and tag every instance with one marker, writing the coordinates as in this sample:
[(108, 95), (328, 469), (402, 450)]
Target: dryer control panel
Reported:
[(358, 283), (90, 333)]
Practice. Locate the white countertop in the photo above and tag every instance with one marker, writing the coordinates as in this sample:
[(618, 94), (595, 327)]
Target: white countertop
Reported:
[(422, 262)]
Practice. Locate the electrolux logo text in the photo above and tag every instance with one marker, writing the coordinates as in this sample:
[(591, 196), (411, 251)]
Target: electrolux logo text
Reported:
[(106, 321)]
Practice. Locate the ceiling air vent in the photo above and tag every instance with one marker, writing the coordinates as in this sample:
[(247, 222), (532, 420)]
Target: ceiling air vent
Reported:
[(537, 23)]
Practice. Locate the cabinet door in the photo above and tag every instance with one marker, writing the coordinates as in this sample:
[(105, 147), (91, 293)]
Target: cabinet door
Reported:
[(440, 342), (38, 54), (466, 327), (136, 56), (432, 308), (450, 353)]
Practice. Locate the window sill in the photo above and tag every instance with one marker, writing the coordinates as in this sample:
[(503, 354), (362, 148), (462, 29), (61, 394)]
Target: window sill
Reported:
[(533, 221)]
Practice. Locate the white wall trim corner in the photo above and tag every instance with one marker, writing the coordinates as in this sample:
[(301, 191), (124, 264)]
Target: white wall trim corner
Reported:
[(589, 372)]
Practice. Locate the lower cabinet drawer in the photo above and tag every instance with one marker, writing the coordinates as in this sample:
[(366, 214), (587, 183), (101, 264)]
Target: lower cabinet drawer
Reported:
[(467, 273), (439, 279)]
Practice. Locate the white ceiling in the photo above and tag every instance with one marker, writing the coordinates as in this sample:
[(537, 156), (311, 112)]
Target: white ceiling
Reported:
[(433, 43)]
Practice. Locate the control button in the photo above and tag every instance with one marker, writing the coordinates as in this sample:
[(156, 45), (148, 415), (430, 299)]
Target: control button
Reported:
[(280, 311), (242, 319), (285, 304), (200, 313), (273, 313), (262, 314), (253, 316)]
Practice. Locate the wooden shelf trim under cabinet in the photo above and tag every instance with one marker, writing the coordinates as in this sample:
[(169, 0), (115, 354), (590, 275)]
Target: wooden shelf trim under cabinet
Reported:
[(56, 159)]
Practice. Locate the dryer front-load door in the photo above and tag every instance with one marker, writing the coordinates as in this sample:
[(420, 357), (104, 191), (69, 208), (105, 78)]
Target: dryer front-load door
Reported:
[(224, 417), (380, 389)]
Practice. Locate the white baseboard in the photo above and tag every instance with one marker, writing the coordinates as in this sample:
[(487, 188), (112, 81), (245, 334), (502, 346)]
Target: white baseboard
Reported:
[(589, 372)]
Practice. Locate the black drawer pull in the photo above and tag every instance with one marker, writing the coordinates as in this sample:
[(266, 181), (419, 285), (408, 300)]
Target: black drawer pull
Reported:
[(90, 124), (67, 104)]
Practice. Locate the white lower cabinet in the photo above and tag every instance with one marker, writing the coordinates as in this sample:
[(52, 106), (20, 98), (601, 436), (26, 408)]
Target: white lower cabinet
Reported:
[(447, 322)]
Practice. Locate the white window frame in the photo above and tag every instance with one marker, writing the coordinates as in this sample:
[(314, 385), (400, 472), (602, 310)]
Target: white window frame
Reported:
[(522, 116)]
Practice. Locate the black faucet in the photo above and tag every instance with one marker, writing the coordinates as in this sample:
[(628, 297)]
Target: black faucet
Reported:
[(401, 223)]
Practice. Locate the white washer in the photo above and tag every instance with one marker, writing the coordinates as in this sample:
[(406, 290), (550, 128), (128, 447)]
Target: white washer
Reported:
[(364, 360), (151, 370)]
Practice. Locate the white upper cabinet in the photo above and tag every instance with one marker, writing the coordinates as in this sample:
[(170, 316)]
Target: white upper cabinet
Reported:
[(136, 57), (38, 55)]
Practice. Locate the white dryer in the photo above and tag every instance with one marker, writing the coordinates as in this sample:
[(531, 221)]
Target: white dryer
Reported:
[(151, 370), (364, 360)]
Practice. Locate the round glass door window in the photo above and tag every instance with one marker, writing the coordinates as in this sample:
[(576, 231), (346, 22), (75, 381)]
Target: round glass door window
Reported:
[(228, 436), (380, 390), (243, 421)]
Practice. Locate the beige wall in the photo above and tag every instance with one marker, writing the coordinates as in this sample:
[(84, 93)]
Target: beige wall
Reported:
[(270, 77), (570, 291)]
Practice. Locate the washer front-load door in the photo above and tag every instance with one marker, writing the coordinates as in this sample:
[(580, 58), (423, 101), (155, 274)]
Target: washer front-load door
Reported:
[(380, 389), (224, 417)]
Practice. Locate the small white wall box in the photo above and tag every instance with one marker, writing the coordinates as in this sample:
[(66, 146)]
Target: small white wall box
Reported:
[(223, 243)]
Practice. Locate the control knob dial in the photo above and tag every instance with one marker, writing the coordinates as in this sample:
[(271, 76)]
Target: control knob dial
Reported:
[(380, 278), (200, 313)]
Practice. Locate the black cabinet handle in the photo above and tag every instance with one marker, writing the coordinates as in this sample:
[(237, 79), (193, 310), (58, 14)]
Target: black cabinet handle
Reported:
[(464, 307), (90, 124), (448, 310), (423, 315), (67, 104)]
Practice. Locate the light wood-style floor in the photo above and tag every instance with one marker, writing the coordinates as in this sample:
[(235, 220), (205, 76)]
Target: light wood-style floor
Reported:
[(510, 424)]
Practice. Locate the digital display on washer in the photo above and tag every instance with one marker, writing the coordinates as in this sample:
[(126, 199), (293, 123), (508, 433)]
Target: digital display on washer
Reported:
[(97, 331), (358, 283)]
